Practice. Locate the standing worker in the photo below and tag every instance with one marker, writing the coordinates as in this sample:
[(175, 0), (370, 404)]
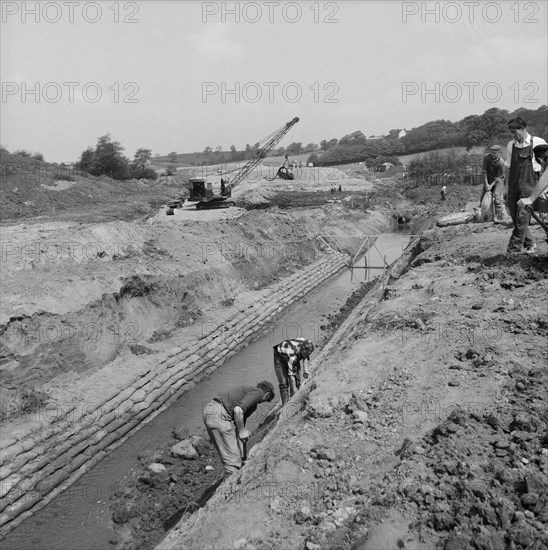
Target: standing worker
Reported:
[(522, 172), (225, 419), (443, 192), (289, 357)]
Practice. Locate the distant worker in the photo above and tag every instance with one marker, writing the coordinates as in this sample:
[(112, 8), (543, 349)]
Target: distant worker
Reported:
[(443, 192), (289, 357), (493, 180), (225, 419), (522, 172), (340, 189)]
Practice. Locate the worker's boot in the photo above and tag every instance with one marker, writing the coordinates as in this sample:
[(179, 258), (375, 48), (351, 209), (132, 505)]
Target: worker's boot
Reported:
[(284, 394)]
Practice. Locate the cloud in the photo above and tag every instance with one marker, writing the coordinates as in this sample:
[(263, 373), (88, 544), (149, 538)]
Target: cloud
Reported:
[(431, 62), (214, 43)]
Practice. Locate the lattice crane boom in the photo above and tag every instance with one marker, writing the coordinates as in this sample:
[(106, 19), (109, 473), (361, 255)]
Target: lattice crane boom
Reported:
[(269, 144)]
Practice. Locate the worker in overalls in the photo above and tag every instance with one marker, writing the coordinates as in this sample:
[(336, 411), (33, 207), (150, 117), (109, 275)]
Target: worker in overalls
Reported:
[(521, 174), (289, 358)]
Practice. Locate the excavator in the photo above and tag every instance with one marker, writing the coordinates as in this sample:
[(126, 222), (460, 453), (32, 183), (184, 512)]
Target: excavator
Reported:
[(213, 191)]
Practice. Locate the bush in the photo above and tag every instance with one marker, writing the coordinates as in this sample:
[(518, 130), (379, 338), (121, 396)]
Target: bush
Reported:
[(63, 176), (106, 159), (441, 168), (149, 174), (38, 156)]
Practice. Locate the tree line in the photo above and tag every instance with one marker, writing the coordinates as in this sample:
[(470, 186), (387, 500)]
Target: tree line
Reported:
[(474, 130), (486, 129)]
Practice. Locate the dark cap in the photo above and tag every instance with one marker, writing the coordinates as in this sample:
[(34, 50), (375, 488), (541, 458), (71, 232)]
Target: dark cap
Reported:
[(266, 386), (307, 347)]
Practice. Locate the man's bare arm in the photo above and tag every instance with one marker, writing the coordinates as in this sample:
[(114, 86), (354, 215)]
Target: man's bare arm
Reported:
[(540, 187), (239, 419)]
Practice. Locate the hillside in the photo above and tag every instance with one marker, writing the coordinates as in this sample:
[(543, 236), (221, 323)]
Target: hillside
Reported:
[(30, 188), (355, 147)]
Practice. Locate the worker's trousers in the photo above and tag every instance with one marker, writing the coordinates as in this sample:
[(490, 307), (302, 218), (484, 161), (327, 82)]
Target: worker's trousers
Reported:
[(281, 368), (521, 235), (498, 191), (222, 432)]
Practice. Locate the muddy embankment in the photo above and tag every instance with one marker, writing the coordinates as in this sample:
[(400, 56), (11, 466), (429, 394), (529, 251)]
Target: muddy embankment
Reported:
[(105, 325)]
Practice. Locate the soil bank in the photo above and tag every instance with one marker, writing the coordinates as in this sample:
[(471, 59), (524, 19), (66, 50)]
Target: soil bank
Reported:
[(91, 350)]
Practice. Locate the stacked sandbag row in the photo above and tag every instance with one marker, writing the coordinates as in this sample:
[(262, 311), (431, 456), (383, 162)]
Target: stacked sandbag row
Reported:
[(40, 461)]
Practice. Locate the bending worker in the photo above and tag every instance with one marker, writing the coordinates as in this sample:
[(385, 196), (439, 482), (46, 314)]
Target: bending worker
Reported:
[(289, 357), (493, 180), (225, 419)]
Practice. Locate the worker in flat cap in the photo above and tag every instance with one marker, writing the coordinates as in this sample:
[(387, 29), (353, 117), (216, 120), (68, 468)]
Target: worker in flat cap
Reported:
[(493, 181)]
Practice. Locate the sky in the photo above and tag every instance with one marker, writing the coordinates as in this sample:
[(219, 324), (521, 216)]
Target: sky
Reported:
[(182, 75)]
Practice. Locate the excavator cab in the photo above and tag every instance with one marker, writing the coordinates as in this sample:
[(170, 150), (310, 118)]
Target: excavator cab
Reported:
[(209, 188), (210, 192), (197, 189)]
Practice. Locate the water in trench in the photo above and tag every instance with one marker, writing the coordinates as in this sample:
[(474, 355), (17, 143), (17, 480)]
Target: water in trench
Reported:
[(79, 518)]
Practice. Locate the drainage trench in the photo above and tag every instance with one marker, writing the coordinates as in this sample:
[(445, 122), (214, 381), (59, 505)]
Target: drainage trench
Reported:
[(80, 517)]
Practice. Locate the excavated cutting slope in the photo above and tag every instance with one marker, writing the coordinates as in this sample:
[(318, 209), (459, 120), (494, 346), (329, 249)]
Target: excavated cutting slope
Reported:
[(125, 317)]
